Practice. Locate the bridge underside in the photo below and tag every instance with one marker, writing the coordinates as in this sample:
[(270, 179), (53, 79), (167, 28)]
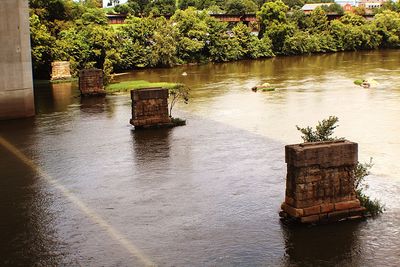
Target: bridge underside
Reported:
[(16, 86)]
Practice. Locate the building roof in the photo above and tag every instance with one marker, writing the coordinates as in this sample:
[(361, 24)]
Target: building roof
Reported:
[(310, 7)]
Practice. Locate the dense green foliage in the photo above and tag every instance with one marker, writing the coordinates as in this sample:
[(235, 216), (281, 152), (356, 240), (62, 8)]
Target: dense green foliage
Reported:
[(78, 32), (323, 132)]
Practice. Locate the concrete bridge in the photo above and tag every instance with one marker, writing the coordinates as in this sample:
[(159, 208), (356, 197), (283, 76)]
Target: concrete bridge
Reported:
[(16, 83)]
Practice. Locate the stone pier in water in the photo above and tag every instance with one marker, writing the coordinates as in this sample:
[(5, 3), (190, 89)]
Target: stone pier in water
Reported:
[(91, 82), (60, 70), (320, 182), (150, 108)]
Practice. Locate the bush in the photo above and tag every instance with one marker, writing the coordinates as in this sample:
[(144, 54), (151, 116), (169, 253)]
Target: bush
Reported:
[(374, 207), (324, 131)]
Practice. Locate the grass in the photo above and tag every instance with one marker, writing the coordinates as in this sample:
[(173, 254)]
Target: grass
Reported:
[(64, 80), (117, 26), (268, 89), (140, 84)]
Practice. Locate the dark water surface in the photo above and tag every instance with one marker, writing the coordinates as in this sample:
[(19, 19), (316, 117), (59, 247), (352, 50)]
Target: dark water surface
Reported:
[(88, 190)]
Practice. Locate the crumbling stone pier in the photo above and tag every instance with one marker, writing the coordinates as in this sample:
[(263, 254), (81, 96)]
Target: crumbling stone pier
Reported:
[(60, 70), (320, 182), (150, 108), (91, 82)]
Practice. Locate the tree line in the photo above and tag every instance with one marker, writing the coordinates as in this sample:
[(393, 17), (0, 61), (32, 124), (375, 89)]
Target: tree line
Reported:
[(78, 32)]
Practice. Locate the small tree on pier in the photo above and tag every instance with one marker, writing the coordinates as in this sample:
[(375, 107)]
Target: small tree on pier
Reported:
[(179, 92)]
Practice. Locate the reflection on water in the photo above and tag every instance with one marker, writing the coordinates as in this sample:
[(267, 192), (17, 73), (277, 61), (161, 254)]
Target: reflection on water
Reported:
[(27, 236), (93, 104), (207, 194), (157, 151), (322, 246), (62, 93)]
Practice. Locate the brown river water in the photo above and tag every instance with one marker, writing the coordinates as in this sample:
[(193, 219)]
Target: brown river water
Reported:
[(80, 187)]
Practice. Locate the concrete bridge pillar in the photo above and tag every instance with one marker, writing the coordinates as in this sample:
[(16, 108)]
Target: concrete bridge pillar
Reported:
[(16, 83)]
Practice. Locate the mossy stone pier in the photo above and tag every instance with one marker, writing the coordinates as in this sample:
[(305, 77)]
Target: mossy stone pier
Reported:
[(320, 182), (150, 108)]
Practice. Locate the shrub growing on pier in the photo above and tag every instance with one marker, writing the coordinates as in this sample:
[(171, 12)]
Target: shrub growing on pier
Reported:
[(324, 132)]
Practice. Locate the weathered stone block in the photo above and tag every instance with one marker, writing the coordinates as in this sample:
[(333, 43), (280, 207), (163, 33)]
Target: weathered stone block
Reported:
[(325, 154), (91, 82), (292, 211), (320, 181), (347, 205), (60, 70), (150, 107), (327, 207), (312, 210)]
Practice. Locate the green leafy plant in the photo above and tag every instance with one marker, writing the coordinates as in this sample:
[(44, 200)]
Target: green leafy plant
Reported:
[(361, 171), (176, 93), (324, 132)]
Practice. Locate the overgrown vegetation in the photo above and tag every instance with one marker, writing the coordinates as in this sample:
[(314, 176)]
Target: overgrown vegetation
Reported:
[(138, 84), (177, 93), (324, 132), (78, 32), (361, 171)]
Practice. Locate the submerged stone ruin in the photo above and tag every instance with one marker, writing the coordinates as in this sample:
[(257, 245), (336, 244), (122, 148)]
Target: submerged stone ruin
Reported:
[(320, 182), (60, 70), (91, 82), (150, 108)]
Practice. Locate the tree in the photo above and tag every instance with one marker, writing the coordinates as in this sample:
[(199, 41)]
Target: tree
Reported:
[(353, 19), (221, 45), (323, 131), (388, 26), (271, 13), (240, 7), (251, 46), (42, 47), (318, 20), (162, 7), (139, 7), (333, 8), (179, 92), (192, 34)]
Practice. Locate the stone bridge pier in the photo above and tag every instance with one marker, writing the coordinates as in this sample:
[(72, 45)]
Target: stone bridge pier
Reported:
[(16, 82)]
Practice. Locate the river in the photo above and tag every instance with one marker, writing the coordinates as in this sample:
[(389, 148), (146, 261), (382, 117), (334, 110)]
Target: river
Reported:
[(80, 187)]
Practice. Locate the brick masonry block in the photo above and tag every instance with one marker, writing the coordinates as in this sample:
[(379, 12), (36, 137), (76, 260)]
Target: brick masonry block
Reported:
[(312, 210), (91, 82), (320, 180), (347, 205), (292, 211), (60, 70), (326, 154), (150, 107), (329, 207)]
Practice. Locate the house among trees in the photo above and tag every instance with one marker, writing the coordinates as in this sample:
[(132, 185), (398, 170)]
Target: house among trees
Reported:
[(308, 8), (347, 8), (371, 4)]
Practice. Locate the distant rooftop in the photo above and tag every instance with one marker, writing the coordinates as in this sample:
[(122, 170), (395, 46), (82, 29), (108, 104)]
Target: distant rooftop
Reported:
[(310, 7)]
